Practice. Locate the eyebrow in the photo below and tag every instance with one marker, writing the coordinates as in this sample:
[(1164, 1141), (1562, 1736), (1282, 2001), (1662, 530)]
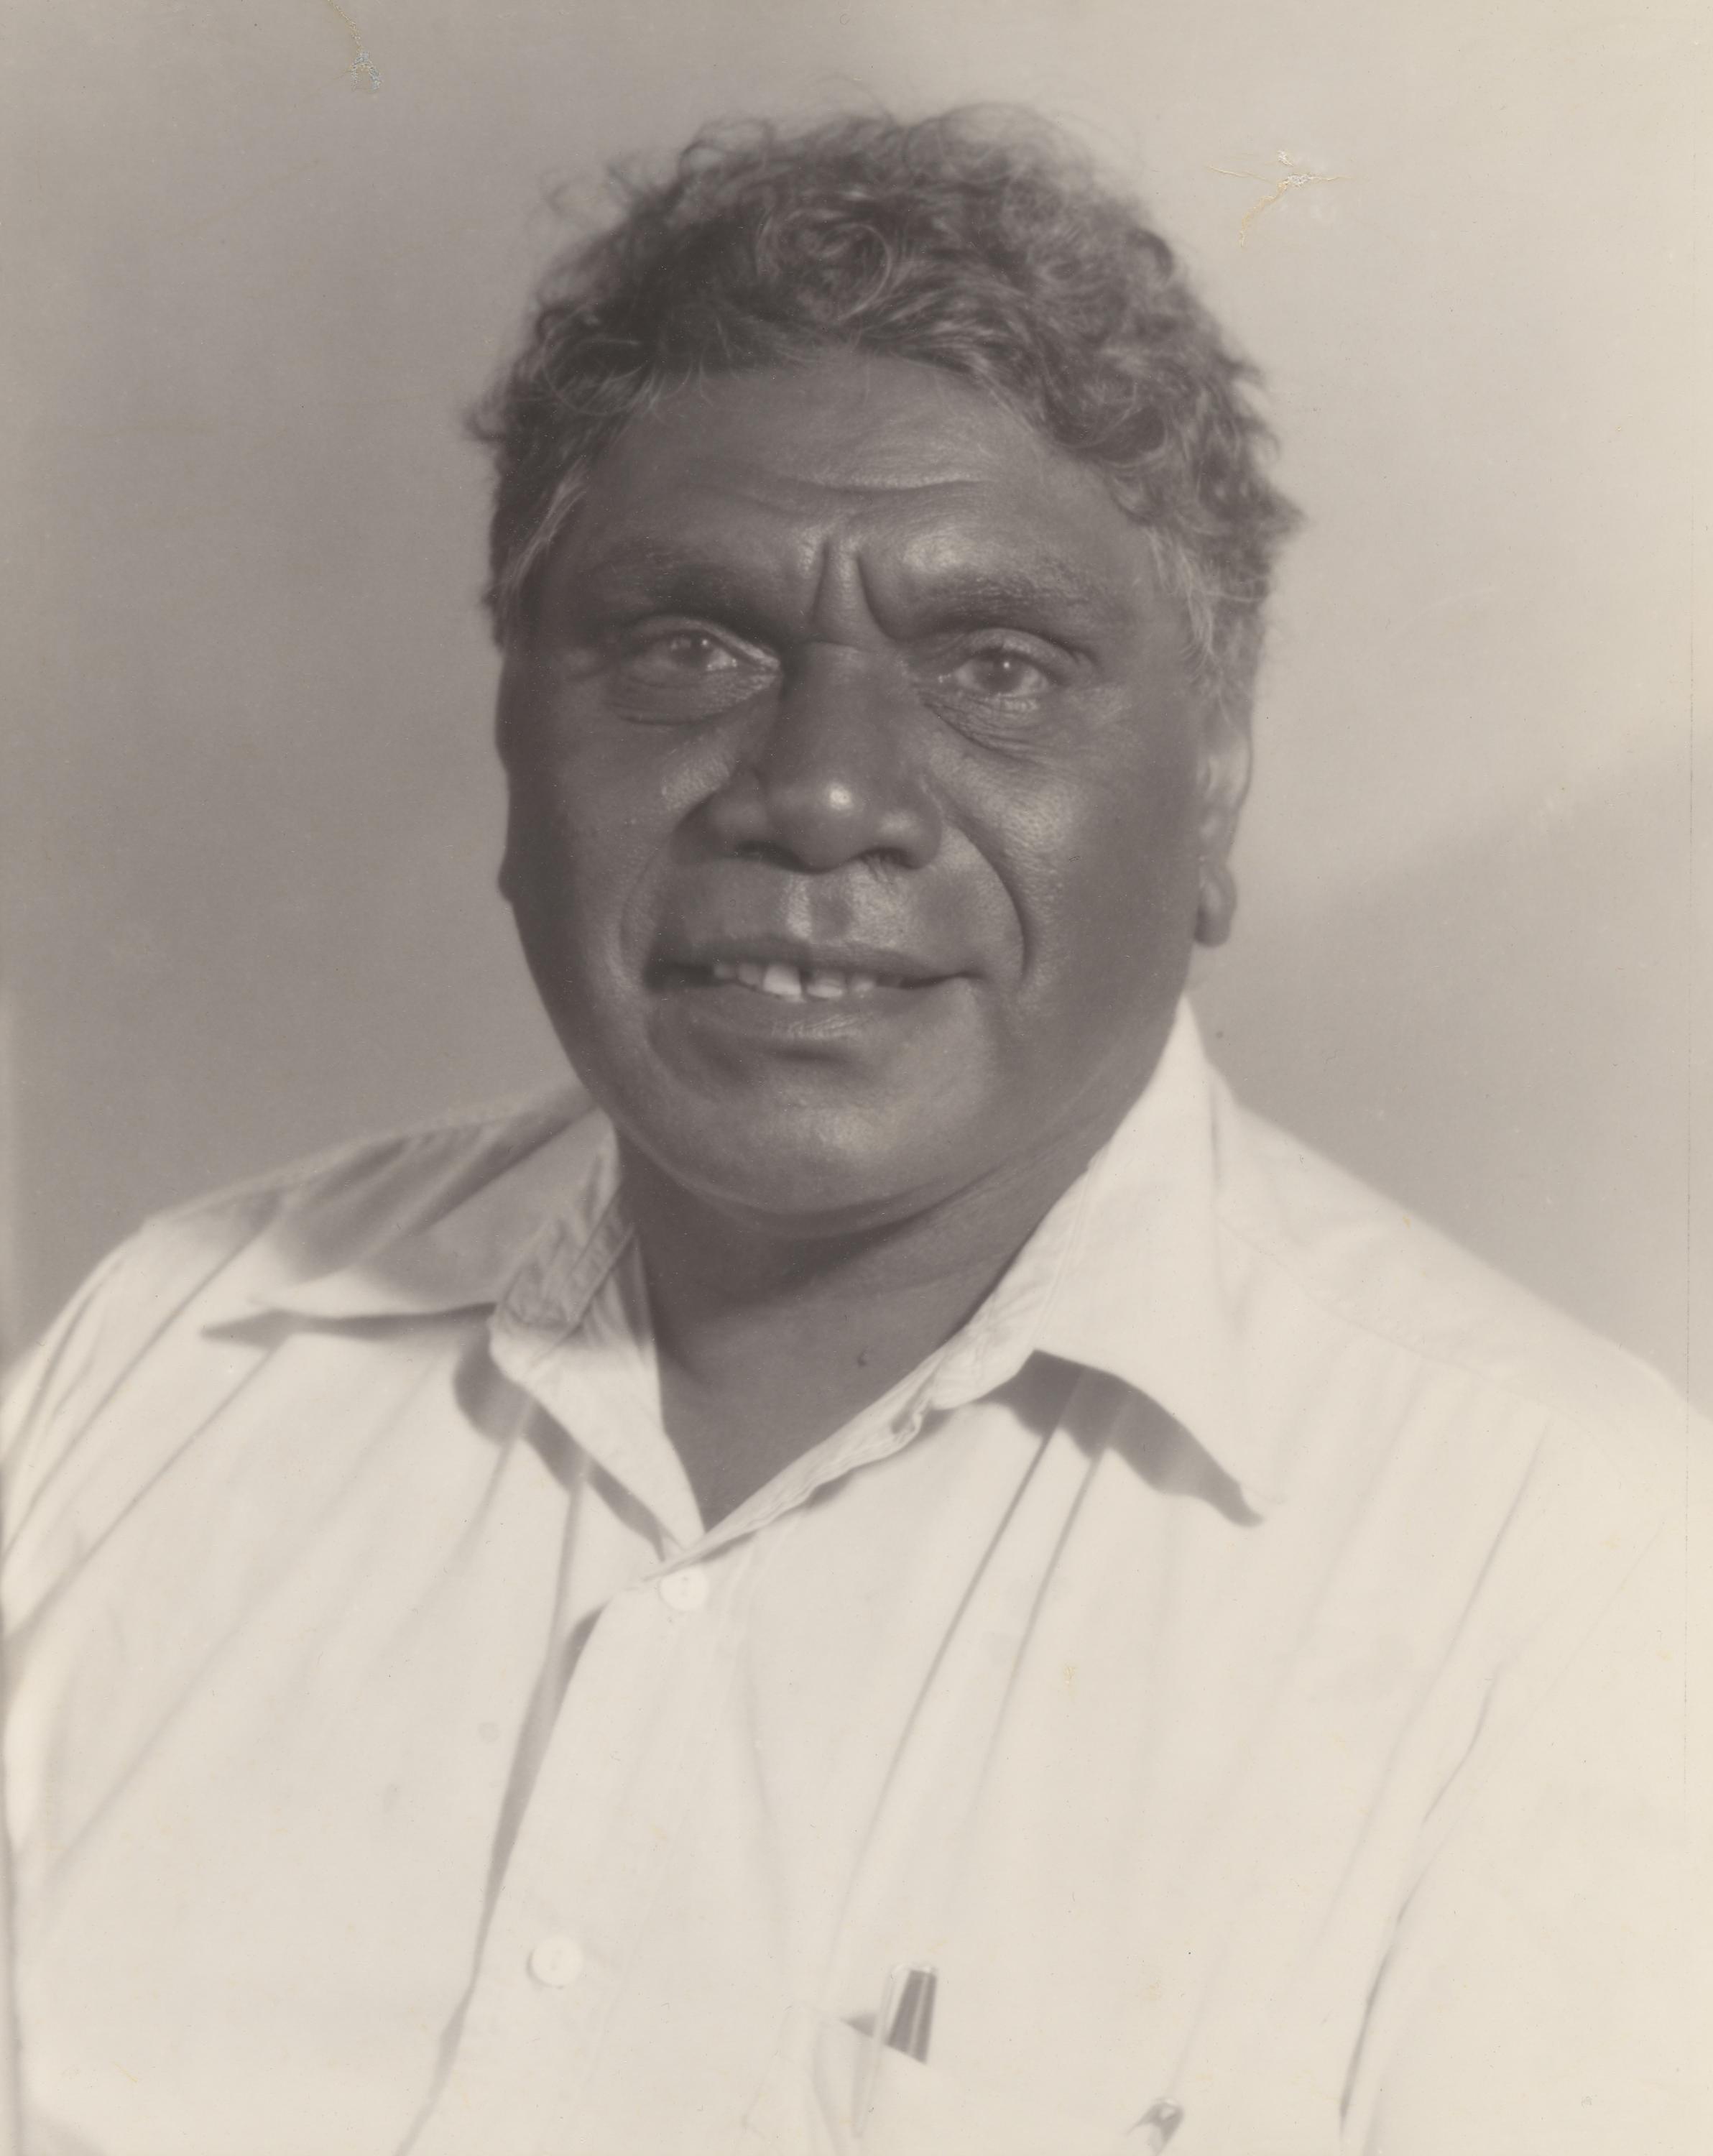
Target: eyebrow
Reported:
[(661, 572), (1048, 589)]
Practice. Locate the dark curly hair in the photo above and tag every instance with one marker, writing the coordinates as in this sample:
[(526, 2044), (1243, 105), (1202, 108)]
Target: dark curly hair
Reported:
[(978, 241)]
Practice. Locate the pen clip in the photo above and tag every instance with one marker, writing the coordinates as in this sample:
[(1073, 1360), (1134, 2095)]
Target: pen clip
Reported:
[(1156, 2127)]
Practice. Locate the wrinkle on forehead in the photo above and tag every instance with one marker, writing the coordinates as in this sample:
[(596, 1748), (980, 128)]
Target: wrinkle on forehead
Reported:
[(848, 426), (844, 479), (974, 577)]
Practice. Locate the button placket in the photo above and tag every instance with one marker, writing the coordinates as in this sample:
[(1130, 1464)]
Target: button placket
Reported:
[(590, 1847)]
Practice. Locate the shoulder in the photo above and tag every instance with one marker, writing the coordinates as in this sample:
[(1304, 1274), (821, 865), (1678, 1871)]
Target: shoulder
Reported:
[(329, 1209), (401, 1169), (220, 1257), (1374, 1282), (372, 1188)]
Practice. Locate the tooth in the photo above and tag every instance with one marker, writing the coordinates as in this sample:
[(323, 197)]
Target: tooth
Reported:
[(823, 982), (785, 980), (750, 973), (860, 984), (724, 970)]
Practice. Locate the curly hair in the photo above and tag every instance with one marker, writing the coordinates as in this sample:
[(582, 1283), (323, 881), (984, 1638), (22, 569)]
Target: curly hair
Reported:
[(978, 241)]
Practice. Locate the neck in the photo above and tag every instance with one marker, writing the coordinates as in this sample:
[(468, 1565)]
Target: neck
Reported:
[(770, 1337)]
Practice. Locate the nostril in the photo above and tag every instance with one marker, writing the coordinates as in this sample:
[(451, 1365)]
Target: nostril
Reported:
[(764, 853)]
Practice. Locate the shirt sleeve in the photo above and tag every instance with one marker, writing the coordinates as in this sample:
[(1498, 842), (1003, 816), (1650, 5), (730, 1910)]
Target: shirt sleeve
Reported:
[(36, 1403), (1545, 1992), (44, 1389), (49, 1399)]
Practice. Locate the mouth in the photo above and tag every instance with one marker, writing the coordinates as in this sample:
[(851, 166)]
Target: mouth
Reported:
[(791, 973), (789, 982)]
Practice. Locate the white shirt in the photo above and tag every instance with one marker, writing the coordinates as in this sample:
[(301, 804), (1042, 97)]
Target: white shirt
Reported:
[(1246, 1663)]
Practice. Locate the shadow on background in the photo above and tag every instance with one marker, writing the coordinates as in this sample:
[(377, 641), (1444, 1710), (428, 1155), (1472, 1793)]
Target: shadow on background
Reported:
[(1417, 1032)]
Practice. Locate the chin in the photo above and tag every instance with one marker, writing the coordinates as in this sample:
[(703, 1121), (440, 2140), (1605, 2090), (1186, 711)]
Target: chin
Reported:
[(815, 1174)]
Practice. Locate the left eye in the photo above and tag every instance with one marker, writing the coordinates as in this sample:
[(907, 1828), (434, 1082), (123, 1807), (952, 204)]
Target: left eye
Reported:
[(1001, 673), (681, 651)]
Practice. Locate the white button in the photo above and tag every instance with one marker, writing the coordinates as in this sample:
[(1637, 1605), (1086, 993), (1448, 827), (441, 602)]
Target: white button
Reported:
[(685, 1589), (556, 1962)]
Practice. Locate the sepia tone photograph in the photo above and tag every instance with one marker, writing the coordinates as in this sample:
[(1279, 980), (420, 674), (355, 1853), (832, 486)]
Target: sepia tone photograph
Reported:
[(854, 1096)]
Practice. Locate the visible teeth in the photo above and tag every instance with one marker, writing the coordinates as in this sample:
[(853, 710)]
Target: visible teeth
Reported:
[(824, 983)]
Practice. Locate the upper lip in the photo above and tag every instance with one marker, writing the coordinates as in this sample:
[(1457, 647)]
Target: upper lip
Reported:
[(881, 960)]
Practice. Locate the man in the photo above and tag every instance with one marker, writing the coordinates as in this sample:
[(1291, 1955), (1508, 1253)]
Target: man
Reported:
[(520, 1633)]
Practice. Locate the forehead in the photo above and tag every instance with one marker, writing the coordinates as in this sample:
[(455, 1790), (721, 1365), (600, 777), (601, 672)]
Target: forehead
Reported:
[(911, 470)]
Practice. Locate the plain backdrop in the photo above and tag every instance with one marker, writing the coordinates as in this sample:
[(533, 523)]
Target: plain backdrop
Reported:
[(261, 252)]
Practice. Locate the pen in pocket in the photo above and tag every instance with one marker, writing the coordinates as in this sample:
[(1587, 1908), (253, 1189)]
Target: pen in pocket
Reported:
[(905, 2023)]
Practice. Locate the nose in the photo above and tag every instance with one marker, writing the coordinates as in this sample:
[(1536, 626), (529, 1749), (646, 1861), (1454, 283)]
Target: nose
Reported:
[(833, 776)]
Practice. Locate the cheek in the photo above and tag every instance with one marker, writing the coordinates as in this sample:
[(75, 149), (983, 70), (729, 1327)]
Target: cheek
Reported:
[(1106, 878), (593, 816), (544, 847), (554, 869), (568, 803)]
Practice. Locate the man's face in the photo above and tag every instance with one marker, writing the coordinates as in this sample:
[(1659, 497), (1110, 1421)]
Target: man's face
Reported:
[(858, 785)]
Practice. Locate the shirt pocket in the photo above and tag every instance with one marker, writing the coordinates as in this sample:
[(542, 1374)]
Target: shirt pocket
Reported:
[(808, 2101)]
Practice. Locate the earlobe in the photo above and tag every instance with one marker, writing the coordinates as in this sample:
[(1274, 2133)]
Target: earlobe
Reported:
[(1216, 903)]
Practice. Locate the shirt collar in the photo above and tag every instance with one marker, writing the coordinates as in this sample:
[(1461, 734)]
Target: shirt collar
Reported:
[(1142, 1291), (1124, 1275), (553, 1183)]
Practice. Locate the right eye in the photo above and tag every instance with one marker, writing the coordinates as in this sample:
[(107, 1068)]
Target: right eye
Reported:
[(680, 673), (677, 655)]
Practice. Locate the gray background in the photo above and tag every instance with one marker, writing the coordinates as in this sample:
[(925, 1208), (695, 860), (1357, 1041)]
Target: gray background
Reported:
[(260, 255)]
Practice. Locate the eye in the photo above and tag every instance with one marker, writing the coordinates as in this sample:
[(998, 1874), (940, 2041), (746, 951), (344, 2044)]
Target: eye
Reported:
[(678, 654), (680, 673), (1001, 672)]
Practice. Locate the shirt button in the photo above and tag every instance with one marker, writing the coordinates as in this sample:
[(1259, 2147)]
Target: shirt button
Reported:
[(685, 1590), (556, 1962)]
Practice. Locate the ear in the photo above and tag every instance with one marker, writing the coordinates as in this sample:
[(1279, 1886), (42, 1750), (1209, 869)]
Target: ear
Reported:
[(1225, 764), (507, 699)]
